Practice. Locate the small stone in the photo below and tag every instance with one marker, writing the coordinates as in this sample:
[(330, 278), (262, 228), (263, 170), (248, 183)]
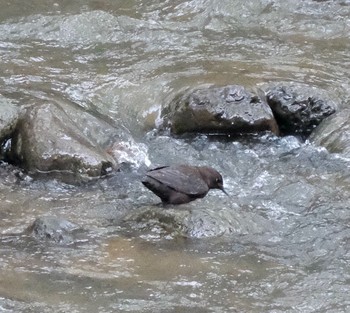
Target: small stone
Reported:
[(54, 229)]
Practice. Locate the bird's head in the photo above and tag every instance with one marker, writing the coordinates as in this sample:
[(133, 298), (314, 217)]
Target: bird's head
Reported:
[(213, 178)]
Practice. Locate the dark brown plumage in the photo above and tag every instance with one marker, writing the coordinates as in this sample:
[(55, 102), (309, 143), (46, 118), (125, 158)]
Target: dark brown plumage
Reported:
[(179, 184)]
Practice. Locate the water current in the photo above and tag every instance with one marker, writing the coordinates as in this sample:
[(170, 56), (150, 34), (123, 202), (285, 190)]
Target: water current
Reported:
[(281, 240)]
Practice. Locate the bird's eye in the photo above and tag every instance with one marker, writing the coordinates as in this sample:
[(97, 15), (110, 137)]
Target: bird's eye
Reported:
[(217, 180)]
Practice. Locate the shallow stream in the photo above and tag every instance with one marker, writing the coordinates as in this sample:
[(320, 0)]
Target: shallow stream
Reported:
[(280, 242)]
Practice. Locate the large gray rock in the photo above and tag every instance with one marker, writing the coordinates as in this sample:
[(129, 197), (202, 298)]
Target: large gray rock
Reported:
[(298, 110), (334, 133), (219, 110), (48, 140), (9, 115)]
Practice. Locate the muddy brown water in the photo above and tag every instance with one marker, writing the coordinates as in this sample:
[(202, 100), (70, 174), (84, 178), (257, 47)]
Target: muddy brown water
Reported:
[(280, 242)]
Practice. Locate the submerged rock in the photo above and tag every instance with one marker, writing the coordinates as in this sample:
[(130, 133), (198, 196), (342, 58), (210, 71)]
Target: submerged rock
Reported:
[(219, 110), (53, 229), (298, 110), (196, 222), (47, 140), (334, 133), (169, 221)]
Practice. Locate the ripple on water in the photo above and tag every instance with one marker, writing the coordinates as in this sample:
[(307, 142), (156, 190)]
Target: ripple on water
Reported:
[(278, 244)]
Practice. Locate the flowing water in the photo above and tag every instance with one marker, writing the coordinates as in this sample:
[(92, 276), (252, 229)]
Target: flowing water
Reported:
[(280, 242)]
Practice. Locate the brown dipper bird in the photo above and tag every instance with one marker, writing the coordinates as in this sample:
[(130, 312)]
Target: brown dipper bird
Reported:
[(179, 184)]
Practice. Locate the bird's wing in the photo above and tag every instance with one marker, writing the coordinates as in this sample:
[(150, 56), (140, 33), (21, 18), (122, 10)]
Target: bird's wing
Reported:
[(183, 179)]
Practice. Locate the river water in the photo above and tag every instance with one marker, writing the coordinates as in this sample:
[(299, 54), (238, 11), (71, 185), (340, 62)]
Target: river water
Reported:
[(281, 240)]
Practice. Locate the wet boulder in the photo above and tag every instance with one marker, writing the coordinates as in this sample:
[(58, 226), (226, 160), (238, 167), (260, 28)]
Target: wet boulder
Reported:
[(334, 133), (48, 140), (298, 110), (219, 110), (53, 229), (9, 115)]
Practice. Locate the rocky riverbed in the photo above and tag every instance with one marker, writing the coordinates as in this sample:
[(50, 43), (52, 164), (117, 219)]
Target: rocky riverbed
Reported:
[(94, 93)]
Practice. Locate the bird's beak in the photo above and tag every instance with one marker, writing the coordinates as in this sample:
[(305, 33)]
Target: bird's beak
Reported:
[(221, 187)]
